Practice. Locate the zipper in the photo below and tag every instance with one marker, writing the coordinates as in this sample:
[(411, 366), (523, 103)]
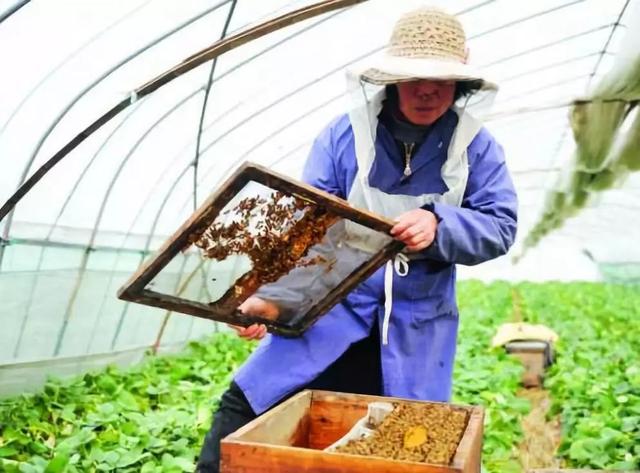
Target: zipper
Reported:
[(408, 150)]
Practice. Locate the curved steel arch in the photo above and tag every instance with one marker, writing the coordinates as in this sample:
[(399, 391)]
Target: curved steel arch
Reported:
[(13, 9), (188, 64), (93, 127), (269, 137), (237, 66), (204, 105), (308, 84), (25, 186), (103, 205), (23, 324)]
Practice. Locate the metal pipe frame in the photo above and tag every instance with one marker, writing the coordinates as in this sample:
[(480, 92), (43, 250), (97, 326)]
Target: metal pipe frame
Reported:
[(565, 131), (7, 210), (188, 64), (13, 9), (568, 38), (204, 106)]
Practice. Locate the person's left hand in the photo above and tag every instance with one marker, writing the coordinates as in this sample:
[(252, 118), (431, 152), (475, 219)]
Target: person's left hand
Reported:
[(416, 229)]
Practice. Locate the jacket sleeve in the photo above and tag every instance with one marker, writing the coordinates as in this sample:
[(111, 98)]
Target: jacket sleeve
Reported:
[(320, 167), (484, 226)]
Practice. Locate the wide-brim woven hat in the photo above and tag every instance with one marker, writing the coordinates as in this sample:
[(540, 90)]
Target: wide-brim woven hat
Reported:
[(427, 43)]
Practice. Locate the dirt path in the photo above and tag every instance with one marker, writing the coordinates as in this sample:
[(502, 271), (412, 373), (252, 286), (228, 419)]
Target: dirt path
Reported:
[(541, 437)]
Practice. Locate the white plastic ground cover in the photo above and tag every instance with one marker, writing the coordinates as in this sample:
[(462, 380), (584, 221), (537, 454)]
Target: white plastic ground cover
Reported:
[(93, 219)]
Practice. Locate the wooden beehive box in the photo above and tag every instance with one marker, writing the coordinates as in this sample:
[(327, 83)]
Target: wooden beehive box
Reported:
[(291, 438), (534, 356)]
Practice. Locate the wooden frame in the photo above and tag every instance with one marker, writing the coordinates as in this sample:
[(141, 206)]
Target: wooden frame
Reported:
[(291, 438), (134, 290)]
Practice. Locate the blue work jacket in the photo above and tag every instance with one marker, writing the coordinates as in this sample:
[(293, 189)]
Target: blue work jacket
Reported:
[(417, 362)]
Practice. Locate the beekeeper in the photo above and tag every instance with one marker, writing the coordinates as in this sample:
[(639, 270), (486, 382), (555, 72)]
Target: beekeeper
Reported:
[(407, 150)]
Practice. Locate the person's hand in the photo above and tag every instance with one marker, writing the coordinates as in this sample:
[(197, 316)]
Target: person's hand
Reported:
[(259, 307), (252, 332), (416, 229)]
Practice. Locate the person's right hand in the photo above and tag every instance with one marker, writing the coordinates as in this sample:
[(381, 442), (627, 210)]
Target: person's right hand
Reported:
[(259, 307)]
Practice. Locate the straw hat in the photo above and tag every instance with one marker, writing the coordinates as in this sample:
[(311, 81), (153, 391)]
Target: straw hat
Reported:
[(427, 43)]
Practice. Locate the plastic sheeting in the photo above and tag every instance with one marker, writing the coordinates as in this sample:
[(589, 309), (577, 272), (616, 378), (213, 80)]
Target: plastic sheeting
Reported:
[(89, 223)]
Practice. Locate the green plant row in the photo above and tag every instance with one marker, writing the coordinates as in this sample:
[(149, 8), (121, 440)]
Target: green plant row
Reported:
[(595, 383), (488, 377), (147, 419), (152, 418)]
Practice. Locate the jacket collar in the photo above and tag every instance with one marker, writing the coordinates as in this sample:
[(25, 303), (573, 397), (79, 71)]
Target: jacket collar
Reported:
[(435, 142)]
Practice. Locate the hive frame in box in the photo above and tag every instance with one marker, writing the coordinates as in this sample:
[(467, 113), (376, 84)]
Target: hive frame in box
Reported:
[(134, 290)]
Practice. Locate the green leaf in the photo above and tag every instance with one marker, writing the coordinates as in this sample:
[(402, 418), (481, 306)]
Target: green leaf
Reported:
[(630, 423), (149, 467), (58, 464), (28, 468), (111, 458), (71, 444), (107, 384), (128, 401), (9, 451), (38, 447), (132, 457), (9, 466), (185, 463)]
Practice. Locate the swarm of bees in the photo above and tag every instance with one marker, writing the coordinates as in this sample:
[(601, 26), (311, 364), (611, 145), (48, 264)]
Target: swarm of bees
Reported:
[(428, 433), (276, 234)]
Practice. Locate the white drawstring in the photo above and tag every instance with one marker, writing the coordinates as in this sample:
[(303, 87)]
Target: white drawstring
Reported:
[(401, 266)]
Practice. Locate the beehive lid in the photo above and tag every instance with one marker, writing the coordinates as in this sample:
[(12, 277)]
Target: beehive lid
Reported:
[(266, 235)]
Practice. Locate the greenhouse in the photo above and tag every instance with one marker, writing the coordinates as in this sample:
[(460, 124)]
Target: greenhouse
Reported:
[(194, 201)]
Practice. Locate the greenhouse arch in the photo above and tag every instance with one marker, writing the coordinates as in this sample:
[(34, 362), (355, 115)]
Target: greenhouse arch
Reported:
[(120, 119)]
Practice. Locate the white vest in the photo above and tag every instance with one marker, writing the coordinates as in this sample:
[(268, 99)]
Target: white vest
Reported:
[(454, 172)]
